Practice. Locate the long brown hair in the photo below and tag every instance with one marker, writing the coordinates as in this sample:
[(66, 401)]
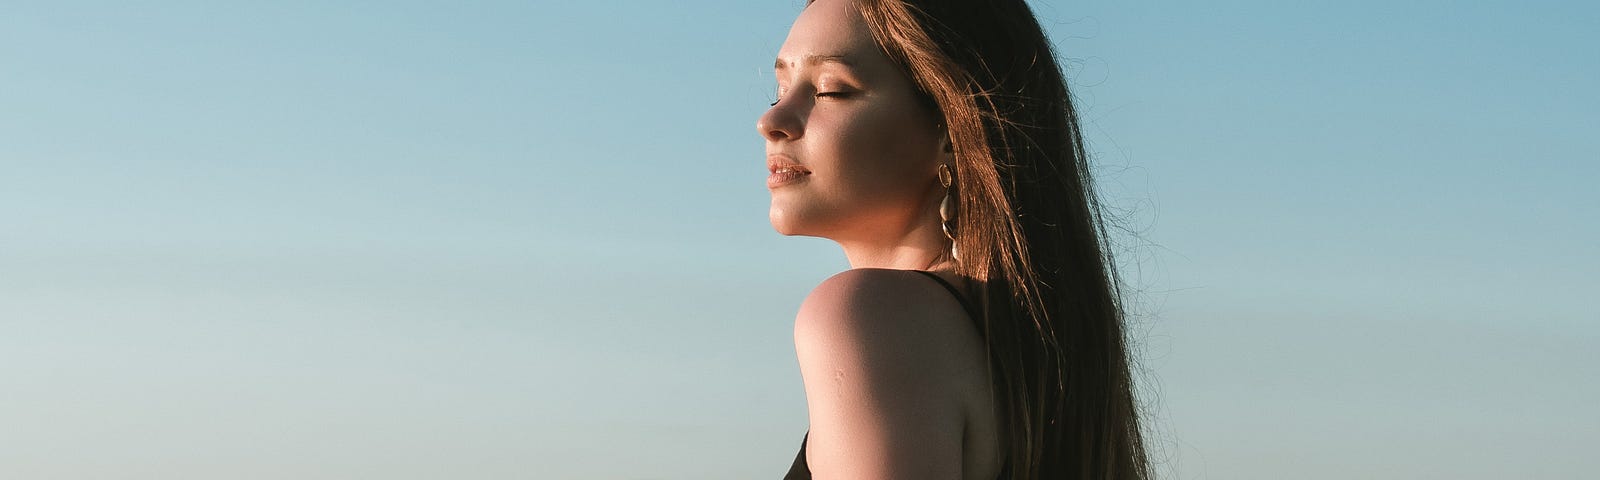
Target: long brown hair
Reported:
[(1029, 232)]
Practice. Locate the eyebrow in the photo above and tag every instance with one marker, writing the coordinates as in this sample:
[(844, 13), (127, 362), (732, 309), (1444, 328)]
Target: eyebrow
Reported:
[(815, 59)]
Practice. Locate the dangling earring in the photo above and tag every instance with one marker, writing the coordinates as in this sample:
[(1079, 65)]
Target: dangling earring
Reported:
[(947, 208)]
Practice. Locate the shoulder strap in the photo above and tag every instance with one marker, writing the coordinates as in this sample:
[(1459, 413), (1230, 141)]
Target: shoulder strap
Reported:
[(971, 312)]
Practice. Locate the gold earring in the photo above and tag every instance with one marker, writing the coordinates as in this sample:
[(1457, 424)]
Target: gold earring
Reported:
[(947, 208)]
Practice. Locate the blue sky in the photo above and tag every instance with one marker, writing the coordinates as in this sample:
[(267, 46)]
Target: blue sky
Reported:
[(529, 239)]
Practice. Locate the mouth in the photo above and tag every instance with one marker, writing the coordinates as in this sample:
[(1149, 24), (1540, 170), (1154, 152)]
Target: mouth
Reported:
[(781, 170)]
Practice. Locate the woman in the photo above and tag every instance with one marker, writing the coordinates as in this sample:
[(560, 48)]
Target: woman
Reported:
[(978, 334)]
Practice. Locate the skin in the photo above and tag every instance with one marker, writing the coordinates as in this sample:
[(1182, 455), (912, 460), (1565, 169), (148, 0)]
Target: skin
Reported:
[(895, 375), (873, 150)]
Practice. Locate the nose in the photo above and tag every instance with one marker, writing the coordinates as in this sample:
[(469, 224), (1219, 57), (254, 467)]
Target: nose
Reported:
[(779, 123)]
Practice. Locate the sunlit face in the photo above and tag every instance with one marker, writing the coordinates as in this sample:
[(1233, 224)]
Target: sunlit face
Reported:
[(866, 149)]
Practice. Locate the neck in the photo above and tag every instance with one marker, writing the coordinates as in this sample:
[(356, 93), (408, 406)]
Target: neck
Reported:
[(920, 246)]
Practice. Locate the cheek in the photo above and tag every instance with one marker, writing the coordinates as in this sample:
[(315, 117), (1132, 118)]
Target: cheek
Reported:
[(873, 166), (882, 151)]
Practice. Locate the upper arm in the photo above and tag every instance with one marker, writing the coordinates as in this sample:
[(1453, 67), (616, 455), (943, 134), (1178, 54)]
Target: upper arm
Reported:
[(878, 379)]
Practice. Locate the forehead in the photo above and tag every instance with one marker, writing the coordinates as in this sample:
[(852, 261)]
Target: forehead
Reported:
[(829, 28)]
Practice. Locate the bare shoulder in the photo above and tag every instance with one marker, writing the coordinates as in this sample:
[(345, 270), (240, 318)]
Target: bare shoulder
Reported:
[(883, 307), (879, 291), (886, 356)]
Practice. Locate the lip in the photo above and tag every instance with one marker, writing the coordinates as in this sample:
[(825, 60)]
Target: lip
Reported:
[(783, 170)]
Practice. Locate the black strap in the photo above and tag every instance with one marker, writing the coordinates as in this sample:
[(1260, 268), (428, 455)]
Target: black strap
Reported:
[(971, 312)]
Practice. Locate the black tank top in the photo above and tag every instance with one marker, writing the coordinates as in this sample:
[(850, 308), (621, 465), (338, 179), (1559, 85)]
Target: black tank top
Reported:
[(800, 471)]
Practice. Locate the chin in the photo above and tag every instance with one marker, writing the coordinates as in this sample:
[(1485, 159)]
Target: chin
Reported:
[(790, 222), (782, 223)]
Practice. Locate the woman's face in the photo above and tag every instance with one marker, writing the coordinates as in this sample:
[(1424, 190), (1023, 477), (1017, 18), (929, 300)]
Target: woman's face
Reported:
[(852, 152)]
